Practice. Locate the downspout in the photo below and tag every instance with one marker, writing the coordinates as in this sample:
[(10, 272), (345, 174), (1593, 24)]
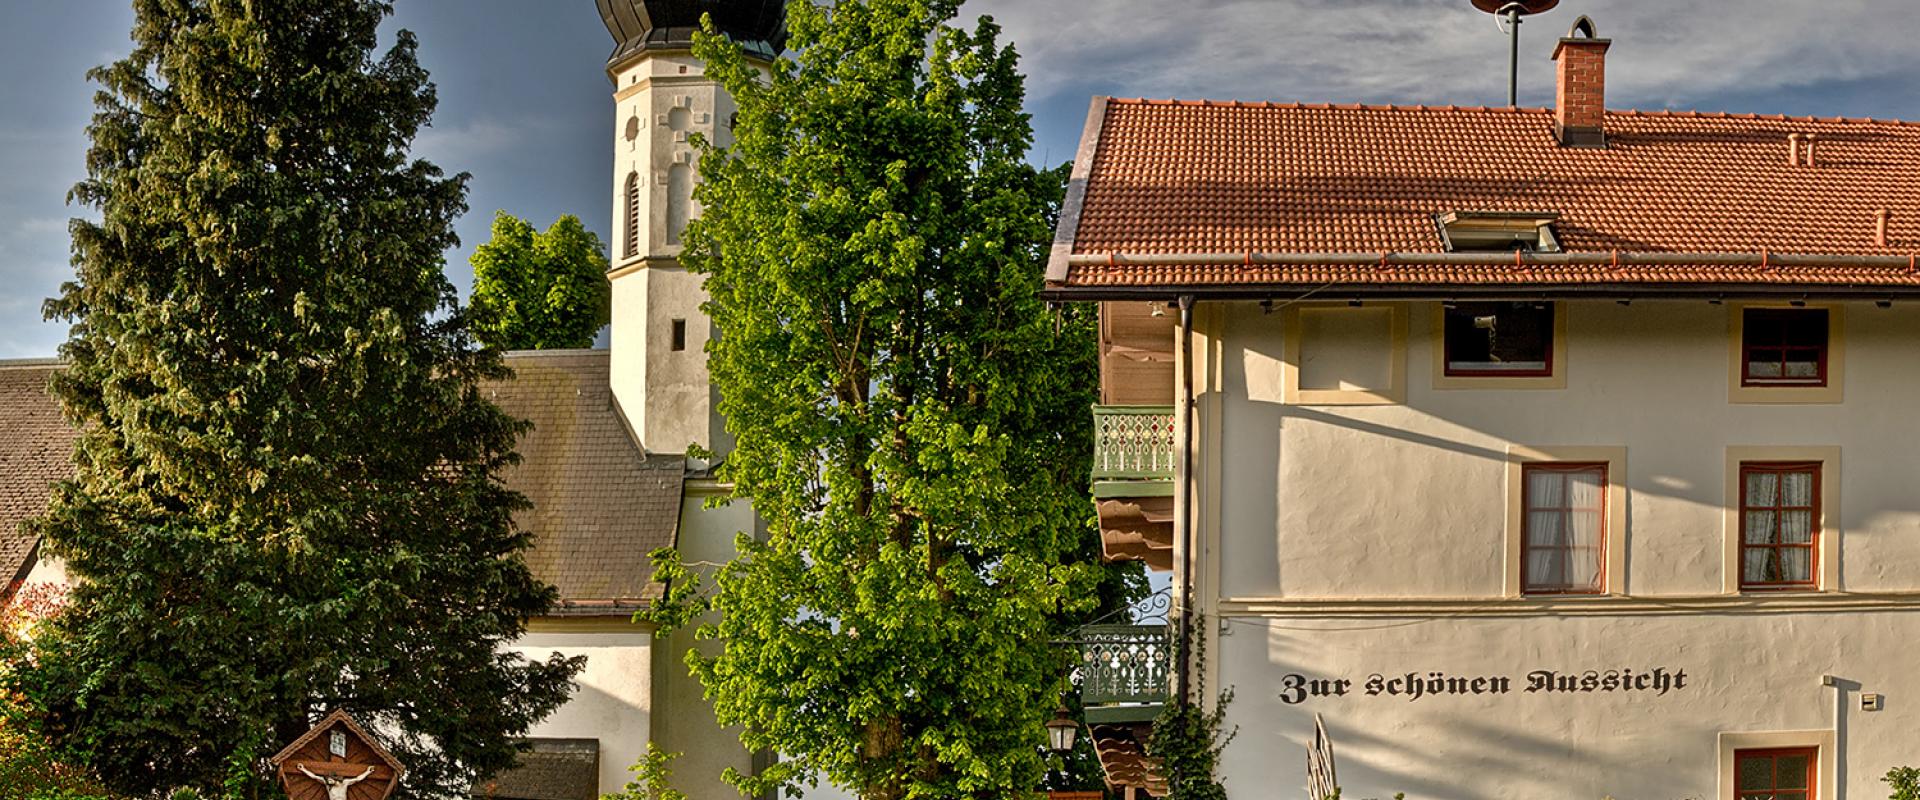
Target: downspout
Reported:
[(1840, 687), (1186, 492)]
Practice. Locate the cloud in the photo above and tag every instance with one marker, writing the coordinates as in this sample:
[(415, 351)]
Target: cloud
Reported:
[(1443, 51), (459, 145)]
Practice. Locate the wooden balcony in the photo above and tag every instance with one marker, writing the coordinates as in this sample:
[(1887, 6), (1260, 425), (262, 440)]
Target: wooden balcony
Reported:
[(1123, 664), (1133, 471)]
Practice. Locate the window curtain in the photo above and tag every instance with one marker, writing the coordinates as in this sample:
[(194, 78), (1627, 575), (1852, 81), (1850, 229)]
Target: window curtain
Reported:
[(1565, 528)]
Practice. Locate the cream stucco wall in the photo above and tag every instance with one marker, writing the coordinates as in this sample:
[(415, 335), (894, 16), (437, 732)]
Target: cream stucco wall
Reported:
[(1409, 500), (1339, 541), (47, 570), (1746, 674), (613, 699), (684, 721)]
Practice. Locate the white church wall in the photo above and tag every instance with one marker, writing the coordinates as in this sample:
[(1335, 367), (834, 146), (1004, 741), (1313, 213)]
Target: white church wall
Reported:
[(613, 702)]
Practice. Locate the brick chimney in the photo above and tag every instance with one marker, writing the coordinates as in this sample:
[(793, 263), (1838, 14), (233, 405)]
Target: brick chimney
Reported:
[(1580, 99)]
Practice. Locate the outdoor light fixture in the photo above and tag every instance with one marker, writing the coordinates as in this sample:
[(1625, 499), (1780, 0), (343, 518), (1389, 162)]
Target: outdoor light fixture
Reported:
[(1062, 730)]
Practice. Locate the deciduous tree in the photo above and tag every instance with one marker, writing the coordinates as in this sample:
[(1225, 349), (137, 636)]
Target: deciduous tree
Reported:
[(287, 495), (911, 420), (539, 291)]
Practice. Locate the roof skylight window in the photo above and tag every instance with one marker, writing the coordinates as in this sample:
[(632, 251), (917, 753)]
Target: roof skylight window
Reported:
[(1498, 231)]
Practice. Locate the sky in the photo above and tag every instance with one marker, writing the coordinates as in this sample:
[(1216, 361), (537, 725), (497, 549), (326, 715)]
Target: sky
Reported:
[(525, 105)]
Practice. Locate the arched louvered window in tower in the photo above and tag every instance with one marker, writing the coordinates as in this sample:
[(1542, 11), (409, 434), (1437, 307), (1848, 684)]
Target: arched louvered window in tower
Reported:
[(633, 215)]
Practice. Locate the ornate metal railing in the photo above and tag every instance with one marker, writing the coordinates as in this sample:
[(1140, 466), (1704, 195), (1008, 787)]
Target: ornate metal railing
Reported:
[(1131, 442), (1124, 663)]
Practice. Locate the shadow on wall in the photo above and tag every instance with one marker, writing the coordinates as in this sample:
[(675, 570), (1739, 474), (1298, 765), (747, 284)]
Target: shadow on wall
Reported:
[(1651, 377)]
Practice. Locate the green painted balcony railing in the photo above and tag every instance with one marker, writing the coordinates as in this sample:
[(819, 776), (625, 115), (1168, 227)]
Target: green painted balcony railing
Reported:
[(1124, 664), (1132, 442)]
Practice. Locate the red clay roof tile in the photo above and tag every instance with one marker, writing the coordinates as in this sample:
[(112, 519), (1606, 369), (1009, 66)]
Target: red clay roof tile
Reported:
[(1197, 177)]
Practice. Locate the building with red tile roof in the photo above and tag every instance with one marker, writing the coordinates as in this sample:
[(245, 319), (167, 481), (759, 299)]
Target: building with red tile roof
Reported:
[(1556, 452), (1229, 198)]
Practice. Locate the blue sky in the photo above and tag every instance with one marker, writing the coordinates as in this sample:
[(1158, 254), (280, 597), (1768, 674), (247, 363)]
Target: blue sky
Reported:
[(525, 107)]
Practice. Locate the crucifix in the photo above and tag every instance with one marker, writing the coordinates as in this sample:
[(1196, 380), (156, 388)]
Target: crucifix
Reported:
[(336, 786)]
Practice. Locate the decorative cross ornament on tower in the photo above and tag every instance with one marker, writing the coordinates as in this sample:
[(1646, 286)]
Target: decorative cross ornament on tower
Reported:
[(337, 760)]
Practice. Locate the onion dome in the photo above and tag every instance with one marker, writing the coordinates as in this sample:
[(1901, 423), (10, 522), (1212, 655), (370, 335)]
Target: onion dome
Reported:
[(640, 26)]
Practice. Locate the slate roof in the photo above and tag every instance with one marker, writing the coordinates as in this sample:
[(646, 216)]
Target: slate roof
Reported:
[(36, 448), (600, 504), (1177, 177), (551, 769)]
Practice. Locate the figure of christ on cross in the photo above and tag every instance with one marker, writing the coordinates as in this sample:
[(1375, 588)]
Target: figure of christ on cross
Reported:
[(336, 787)]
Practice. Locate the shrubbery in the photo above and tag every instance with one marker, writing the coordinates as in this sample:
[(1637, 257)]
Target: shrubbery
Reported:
[(1905, 782), (29, 769)]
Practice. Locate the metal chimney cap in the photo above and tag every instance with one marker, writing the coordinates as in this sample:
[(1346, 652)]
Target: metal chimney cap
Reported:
[(1526, 6)]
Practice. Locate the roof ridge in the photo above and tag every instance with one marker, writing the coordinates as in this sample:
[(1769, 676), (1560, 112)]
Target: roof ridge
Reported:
[(1423, 107), (1695, 114), (1322, 106), (29, 363), (572, 352)]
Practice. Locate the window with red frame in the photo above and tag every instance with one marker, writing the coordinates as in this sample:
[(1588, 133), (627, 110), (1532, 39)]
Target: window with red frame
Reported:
[(1779, 525), (1506, 340), (1775, 774), (1784, 347), (1564, 537)]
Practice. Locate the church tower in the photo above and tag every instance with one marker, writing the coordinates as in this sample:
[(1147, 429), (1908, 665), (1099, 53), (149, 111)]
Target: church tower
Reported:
[(661, 98)]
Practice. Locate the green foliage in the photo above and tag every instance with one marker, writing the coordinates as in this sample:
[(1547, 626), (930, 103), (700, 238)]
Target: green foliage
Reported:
[(652, 778), (1905, 782), (287, 496), (909, 417), (539, 291), (29, 768), (1188, 738)]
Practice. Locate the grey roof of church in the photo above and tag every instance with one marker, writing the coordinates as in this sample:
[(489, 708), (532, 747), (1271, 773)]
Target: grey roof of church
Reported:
[(550, 769), (600, 503), (36, 449)]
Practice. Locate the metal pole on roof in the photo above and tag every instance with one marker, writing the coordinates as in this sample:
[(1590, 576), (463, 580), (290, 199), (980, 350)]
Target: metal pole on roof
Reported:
[(1510, 12), (1513, 61)]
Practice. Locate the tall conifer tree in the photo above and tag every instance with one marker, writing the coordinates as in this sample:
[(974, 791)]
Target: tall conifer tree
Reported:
[(287, 496)]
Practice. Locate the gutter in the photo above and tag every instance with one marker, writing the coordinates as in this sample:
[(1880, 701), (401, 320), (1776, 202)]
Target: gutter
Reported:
[(1517, 258), (1544, 286)]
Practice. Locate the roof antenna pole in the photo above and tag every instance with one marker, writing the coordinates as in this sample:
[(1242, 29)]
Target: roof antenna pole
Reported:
[(1508, 13), (1513, 60)]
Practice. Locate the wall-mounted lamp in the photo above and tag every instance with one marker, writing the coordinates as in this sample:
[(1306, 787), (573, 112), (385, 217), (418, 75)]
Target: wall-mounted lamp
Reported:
[(1062, 730)]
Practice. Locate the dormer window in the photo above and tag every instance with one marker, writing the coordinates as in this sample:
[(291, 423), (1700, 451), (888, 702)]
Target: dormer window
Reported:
[(1498, 231)]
